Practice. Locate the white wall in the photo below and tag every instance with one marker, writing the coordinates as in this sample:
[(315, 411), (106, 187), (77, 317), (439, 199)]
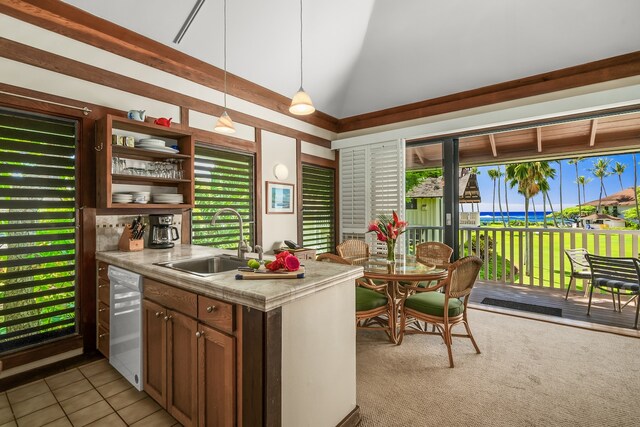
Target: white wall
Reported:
[(319, 358), (278, 227)]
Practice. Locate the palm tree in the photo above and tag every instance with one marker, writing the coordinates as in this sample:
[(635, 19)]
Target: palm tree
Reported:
[(600, 170), (577, 181), (494, 174), (506, 198), (542, 172), (618, 169), (583, 181), (559, 162), (500, 175)]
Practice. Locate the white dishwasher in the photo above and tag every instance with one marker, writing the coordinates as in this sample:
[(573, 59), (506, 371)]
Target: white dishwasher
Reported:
[(125, 324)]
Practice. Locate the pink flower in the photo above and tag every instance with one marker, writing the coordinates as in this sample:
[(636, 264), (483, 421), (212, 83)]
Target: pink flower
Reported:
[(373, 226), (382, 237)]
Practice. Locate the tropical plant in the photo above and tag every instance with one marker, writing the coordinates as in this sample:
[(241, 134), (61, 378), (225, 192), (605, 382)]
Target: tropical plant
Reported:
[(600, 170), (506, 198), (494, 174), (583, 181), (575, 163), (618, 169), (415, 177)]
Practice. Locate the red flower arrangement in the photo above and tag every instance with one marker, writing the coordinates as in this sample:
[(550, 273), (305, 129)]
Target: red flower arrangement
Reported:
[(388, 229), (285, 260)]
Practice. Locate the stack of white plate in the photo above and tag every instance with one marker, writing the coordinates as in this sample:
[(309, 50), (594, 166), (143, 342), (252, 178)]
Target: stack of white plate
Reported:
[(173, 199), (155, 145), (141, 197), (121, 198)]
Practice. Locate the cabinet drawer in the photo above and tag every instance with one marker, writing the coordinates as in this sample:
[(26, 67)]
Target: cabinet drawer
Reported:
[(103, 340), (103, 291), (170, 297), (216, 313), (103, 270), (103, 313)]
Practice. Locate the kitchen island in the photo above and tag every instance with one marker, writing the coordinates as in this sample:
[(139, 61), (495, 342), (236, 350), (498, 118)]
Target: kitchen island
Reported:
[(247, 352)]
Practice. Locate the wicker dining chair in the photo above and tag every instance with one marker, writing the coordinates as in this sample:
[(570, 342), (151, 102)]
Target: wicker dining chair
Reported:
[(434, 253), (353, 249), (428, 305), (372, 302)]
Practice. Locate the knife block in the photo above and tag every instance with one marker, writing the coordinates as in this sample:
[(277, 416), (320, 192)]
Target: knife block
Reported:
[(126, 244)]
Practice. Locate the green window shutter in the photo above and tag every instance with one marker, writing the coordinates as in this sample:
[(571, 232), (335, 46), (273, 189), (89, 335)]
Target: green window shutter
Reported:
[(318, 208), (37, 229), (223, 179)]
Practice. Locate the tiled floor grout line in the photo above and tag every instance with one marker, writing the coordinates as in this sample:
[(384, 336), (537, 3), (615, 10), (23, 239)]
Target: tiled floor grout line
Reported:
[(57, 401), (105, 399)]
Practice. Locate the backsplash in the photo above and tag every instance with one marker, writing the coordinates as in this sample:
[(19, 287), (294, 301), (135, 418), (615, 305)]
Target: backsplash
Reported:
[(109, 228)]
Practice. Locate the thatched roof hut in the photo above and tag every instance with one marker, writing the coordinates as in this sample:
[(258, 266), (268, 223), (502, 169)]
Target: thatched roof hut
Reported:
[(432, 188)]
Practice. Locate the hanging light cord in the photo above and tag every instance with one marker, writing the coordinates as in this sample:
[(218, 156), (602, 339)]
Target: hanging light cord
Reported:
[(300, 43), (225, 54)]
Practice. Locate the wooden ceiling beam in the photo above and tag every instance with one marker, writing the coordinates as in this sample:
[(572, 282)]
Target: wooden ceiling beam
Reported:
[(419, 156), (492, 141), (594, 130), (539, 138)]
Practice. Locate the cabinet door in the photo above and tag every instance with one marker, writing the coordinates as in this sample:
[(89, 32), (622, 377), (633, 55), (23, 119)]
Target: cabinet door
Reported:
[(182, 369), (154, 351), (217, 385)]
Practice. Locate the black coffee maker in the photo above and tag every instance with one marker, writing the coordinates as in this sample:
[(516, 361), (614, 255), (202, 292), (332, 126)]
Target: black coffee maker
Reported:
[(162, 232)]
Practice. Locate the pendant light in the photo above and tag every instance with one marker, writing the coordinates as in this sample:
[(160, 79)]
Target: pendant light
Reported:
[(301, 104), (225, 124)]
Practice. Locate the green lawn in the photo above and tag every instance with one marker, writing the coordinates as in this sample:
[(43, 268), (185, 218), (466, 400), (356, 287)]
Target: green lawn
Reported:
[(549, 263)]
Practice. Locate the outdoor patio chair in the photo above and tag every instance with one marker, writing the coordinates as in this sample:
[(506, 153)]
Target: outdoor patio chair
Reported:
[(353, 249), (614, 275), (372, 302), (579, 268), (428, 305)]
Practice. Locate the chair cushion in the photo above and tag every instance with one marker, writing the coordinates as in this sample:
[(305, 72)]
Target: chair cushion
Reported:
[(617, 284), (432, 303), (420, 284), (367, 299)]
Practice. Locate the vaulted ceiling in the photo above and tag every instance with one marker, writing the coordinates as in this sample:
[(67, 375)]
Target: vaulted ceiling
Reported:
[(367, 55)]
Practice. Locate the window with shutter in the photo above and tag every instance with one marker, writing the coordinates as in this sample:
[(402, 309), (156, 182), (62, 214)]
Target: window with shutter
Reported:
[(223, 179), (37, 229), (318, 213), (371, 184)]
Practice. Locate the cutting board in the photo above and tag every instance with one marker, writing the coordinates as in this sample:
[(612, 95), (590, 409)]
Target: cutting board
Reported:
[(248, 275)]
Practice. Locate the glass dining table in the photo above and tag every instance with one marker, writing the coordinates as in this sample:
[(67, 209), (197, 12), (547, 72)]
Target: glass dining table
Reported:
[(406, 271)]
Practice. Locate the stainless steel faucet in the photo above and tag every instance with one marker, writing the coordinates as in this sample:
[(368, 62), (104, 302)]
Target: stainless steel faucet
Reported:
[(243, 247)]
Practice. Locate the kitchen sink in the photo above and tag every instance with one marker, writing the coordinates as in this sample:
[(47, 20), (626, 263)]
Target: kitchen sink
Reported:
[(206, 266)]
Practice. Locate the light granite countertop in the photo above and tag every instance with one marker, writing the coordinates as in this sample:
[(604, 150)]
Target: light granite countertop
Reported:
[(264, 295)]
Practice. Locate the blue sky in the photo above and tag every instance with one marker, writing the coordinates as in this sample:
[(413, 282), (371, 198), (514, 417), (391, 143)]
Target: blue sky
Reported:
[(569, 188)]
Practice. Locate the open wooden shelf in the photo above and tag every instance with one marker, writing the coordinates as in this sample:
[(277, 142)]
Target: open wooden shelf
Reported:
[(108, 183)]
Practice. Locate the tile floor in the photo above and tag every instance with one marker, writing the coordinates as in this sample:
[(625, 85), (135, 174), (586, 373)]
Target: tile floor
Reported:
[(91, 395)]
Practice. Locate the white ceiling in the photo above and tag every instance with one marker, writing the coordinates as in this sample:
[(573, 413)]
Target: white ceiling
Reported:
[(367, 55)]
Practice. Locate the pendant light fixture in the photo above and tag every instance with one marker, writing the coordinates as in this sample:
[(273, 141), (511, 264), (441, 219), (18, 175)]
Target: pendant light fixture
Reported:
[(225, 124), (301, 104)]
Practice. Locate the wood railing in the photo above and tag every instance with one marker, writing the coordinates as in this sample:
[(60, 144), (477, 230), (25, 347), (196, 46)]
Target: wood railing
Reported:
[(532, 256)]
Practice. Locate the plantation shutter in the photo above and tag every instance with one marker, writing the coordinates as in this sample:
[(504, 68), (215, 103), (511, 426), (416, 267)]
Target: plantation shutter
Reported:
[(37, 229), (353, 197), (371, 184), (223, 179), (318, 213)]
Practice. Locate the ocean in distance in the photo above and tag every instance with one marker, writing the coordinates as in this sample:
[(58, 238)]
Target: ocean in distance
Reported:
[(486, 217)]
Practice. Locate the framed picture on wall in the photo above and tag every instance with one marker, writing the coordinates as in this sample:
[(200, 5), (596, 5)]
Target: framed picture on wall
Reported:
[(280, 198)]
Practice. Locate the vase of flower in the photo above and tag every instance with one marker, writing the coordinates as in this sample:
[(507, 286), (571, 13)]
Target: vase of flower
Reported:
[(387, 230), (391, 251)]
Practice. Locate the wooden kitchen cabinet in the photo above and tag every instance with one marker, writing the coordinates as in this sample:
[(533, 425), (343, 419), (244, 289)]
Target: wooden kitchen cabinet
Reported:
[(216, 388), (108, 182), (154, 351), (189, 367)]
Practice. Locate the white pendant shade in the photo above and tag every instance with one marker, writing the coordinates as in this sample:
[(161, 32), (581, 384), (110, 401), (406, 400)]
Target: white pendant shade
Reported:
[(301, 104), (225, 124)]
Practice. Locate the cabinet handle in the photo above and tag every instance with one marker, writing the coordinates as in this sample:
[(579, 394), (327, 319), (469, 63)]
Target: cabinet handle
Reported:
[(103, 335), (100, 268), (199, 334), (102, 286), (159, 313), (167, 318), (100, 310), (211, 308)]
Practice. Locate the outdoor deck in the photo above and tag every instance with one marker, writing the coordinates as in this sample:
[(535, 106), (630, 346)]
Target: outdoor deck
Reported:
[(575, 308)]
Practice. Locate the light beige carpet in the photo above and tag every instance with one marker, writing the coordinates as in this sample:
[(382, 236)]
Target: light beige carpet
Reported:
[(530, 373)]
